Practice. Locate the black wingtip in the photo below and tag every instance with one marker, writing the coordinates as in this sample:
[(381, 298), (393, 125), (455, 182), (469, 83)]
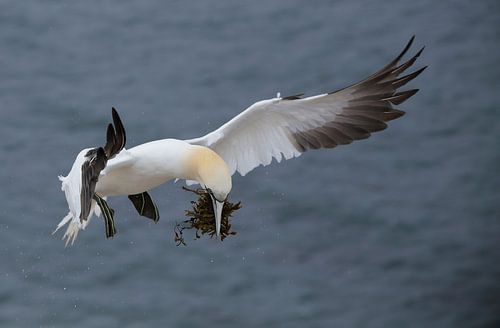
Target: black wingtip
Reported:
[(406, 48), (401, 81), (116, 117), (110, 140), (416, 73), (411, 41), (419, 52), (396, 60), (120, 130), (111, 132), (400, 97)]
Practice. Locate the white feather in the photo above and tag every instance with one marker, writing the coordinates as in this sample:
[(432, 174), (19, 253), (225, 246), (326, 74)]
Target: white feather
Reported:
[(71, 185), (264, 130)]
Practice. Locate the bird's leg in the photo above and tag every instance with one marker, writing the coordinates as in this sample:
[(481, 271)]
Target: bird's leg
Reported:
[(145, 206), (107, 215)]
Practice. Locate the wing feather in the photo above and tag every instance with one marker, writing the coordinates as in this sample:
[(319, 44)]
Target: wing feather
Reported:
[(100, 160), (286, 127)]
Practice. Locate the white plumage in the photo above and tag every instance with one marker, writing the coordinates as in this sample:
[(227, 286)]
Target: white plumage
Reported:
[(279, 128)]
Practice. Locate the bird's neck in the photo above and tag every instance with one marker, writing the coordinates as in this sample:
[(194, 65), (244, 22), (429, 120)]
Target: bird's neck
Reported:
[(205, 166)]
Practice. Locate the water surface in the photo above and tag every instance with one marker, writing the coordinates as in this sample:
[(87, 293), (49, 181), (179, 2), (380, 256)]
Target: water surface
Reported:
[(400, 230)]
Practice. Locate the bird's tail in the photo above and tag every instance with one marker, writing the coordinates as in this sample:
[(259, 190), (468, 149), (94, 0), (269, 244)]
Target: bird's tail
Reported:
[(72, 230), (75, 225), (71, 233)]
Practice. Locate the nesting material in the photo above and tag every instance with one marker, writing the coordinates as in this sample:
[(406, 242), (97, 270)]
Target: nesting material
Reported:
[(202, 218)]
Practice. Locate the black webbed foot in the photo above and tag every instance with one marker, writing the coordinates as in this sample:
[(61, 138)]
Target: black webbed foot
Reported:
[(145, 206), (107, 215)]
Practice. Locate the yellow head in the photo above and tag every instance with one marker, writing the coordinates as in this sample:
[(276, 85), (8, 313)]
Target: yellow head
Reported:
[(209, 169)]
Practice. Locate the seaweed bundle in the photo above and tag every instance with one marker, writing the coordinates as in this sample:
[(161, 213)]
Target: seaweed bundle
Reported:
[(201, 217)]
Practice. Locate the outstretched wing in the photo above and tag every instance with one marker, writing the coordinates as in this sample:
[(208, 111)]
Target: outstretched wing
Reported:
[(286, 127)]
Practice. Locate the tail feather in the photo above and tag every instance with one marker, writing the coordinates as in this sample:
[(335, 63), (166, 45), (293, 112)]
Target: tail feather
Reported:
[(71, 233), (75, 225), (65, 220)]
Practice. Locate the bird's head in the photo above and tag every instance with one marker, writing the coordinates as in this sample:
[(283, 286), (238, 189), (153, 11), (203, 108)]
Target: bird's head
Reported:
[(210, 170)]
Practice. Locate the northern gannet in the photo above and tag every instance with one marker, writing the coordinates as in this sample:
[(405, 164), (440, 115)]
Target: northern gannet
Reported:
[(279, 128)]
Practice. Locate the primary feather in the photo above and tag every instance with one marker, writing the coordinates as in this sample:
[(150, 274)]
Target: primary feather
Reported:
[(285, 127)]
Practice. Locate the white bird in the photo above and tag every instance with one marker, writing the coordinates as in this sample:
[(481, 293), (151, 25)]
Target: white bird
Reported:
[(279, 128)]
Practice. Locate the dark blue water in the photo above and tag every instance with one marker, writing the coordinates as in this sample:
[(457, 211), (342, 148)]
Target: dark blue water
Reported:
[(400, 230)]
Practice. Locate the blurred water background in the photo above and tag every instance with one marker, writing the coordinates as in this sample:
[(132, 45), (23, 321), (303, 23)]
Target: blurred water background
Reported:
[(400, 230)]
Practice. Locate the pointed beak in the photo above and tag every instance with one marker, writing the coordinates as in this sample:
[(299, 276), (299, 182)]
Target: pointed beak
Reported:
[(218, 206)]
